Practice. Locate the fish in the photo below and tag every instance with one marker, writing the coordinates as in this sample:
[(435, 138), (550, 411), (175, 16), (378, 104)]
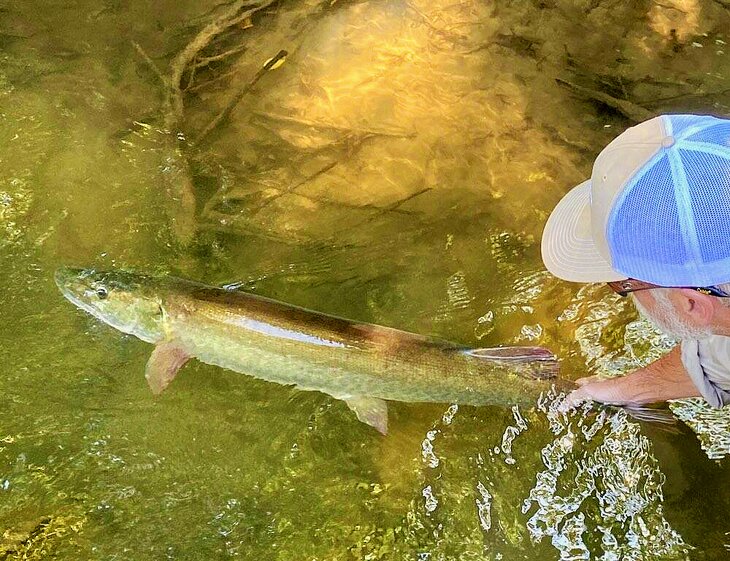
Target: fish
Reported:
[(363, 364)]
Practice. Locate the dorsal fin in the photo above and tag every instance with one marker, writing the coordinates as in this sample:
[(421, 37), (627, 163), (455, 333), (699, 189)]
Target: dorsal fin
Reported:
[(512, 354)]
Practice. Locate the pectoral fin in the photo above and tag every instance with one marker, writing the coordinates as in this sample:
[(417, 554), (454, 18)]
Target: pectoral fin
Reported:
[(370, 410), (165, 361)]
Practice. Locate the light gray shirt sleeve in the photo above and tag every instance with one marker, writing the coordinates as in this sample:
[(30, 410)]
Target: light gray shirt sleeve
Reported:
[(707, 362)]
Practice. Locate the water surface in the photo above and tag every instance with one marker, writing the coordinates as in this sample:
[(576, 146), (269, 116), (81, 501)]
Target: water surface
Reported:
[(397, 168)]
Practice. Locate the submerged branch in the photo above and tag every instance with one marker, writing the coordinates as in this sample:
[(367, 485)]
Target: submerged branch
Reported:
[(208, 83), (350, 144), (151, 63), (180, 187), (393, 207), (236, 99), (330, 126), (685, 98), (205, 61), (230, 17), (627, 108)]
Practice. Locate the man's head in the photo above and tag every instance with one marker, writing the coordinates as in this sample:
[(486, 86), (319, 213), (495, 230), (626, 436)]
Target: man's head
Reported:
[(656, 209), (686, 313), (679, 317)]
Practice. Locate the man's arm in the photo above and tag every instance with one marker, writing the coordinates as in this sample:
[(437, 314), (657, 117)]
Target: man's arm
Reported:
[(663, 379)]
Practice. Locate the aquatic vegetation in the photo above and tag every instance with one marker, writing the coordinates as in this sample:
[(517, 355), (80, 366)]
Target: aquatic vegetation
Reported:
[(14, 204)]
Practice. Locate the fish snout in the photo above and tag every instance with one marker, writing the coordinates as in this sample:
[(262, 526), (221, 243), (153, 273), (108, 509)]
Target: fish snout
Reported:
[(70, 280)]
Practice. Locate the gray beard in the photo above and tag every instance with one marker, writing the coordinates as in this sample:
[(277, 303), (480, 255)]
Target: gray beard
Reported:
[(666, 319)]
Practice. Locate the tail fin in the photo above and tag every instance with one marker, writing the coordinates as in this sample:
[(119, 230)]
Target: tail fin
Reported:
[(655, 415)]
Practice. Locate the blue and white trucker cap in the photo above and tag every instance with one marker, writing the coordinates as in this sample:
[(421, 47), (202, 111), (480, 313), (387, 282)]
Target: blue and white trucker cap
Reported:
[(656, 208)]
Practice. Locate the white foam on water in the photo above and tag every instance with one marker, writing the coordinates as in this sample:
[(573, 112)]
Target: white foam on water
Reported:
[(484, 507), (511, 433), (449, 414), (431, 502), (427, 453)]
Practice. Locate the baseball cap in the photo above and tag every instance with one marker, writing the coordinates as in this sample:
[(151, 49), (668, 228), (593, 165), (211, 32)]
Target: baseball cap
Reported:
[(656, 208)]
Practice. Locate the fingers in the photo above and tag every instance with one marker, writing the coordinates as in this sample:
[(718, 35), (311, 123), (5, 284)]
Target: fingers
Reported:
[(588, 380), (581, 395), (613, 391), (573, 400)]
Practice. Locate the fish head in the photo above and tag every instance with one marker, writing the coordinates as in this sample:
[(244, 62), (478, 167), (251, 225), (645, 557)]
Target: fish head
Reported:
[(126, 301)]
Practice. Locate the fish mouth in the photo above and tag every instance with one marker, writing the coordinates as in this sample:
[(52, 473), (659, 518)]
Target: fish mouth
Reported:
[(69, 281)]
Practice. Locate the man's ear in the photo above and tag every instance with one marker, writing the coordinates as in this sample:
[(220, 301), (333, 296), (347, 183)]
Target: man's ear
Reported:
[(700, 307)]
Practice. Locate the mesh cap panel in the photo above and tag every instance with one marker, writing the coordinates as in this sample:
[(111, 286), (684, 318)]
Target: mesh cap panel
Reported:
[(715, 133), (671, 224), (710, 197), (644, 244), (680, 123)]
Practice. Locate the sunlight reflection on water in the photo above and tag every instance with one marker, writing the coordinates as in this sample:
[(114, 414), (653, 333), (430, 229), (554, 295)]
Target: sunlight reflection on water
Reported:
[(600, 488), (712, 426)]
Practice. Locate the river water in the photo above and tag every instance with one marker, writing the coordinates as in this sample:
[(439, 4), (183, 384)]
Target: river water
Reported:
[(396, 166)]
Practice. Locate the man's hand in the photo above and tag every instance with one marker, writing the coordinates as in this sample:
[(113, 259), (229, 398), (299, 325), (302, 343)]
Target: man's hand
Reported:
[(661, 380), (595, 388)]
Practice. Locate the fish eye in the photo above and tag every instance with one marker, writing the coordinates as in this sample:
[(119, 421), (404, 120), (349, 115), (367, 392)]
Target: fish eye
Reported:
[(102, 293)]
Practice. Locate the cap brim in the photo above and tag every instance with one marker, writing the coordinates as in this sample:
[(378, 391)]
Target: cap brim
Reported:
[(568, 249)]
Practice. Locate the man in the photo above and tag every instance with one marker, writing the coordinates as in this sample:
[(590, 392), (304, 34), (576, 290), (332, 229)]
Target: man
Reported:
[(653, 222)]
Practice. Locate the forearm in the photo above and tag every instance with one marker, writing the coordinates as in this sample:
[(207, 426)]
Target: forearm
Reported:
[(661, 380)]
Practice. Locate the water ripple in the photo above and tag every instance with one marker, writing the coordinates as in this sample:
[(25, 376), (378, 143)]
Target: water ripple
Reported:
[(484, 507), (600, 488), (712, 426)]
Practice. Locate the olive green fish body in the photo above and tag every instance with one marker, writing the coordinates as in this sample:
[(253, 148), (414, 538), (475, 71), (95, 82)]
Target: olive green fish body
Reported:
[(290, 345), (360, 363)]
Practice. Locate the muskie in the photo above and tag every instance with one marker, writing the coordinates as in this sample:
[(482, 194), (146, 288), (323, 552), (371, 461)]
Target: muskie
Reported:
[(362, 364)]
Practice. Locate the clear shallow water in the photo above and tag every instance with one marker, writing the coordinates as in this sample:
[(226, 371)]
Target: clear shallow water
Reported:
[(397, 168)]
